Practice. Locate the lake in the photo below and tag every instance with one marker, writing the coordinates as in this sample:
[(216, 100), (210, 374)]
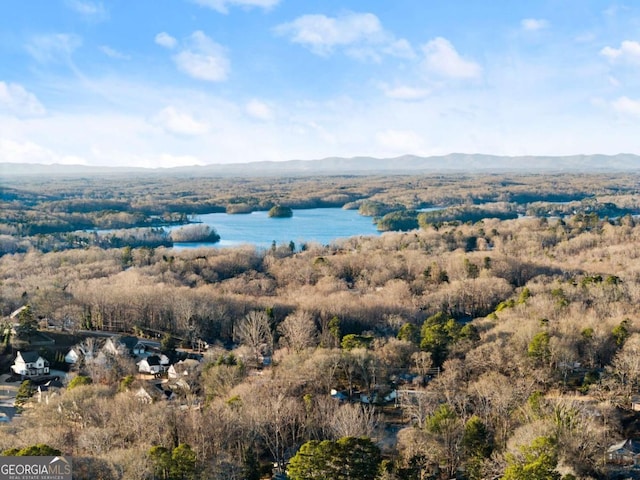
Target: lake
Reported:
[(315, 225)]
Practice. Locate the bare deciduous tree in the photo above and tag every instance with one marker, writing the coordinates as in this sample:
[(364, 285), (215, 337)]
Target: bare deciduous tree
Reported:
[(354, 420), (422, 362), (278, 419), (254, 331), (298, 331), (625, 369)]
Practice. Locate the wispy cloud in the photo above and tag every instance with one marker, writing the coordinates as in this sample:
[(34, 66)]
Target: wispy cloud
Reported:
[(179, 123), (56, 47), (90, 10), (441, 58), (628, 52), (627, 106), (165, 40), (361, 35), (258, 110), (322, 34), (534, 24), (406, 93), (31, 152), (203, 59), (16, 100), (614, 10), (399, 48), (113, 53), (222, 6), (399, 141)]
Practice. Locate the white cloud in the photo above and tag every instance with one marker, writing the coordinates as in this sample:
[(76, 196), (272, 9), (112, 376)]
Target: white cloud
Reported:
[(442, 58), (360, 34), (113, 53), (406, 93), (258, 110), (203, 59), (628, 52), (400, 48), (165, 40), (54, 47), (339, 126), (627, 106), (399, 141), (91, 10), (321, 34), (15, 99), (12, 151), (614, 10), (222, 6), (534, 24), (179, 123)]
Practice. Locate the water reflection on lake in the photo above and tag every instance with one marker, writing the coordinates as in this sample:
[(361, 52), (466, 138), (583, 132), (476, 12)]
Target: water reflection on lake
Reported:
[(316, 225)]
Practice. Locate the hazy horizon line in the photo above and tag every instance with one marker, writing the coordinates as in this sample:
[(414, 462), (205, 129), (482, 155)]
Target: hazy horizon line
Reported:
[(329, 158)]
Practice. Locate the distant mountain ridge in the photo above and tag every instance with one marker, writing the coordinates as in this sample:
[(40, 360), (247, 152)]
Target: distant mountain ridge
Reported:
[(406, 164)]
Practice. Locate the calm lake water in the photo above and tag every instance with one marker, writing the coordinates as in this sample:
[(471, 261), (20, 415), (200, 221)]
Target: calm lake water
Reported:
[(319, 225)]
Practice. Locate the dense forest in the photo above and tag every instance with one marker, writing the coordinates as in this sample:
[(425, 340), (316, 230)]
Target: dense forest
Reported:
[(497, 338), (114, 211)]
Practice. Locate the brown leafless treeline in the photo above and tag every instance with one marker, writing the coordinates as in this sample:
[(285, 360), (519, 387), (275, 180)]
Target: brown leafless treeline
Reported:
[(553, 303)]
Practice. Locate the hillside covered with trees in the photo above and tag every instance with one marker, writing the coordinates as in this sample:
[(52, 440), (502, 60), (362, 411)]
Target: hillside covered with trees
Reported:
[(115, 211), (479, 349)]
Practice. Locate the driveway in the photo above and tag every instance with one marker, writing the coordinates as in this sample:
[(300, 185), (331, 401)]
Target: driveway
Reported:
[(8, 391)]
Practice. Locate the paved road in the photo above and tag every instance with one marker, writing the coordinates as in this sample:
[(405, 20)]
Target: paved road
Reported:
[(8, 392), (97, 333)]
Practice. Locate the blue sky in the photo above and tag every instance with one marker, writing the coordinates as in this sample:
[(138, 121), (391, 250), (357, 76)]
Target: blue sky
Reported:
[(161, 83)]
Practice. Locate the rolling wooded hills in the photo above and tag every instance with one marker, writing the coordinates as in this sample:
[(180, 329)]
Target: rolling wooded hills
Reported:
[(455, 162)]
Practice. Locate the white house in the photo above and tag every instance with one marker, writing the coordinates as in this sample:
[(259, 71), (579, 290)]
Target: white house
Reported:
[(120, 345), (112, 347), (100, 359), (149, 395), (141, 349), (29, 364), (150, 365), (86, 350), (143, 396), (73, 356), (184, 368)]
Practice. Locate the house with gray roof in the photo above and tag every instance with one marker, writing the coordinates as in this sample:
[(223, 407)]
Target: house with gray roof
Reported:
[(150, 365), (30, 364), (625, 452)]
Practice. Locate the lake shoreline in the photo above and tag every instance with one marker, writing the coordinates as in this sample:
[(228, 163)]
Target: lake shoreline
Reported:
[(314, 225)]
